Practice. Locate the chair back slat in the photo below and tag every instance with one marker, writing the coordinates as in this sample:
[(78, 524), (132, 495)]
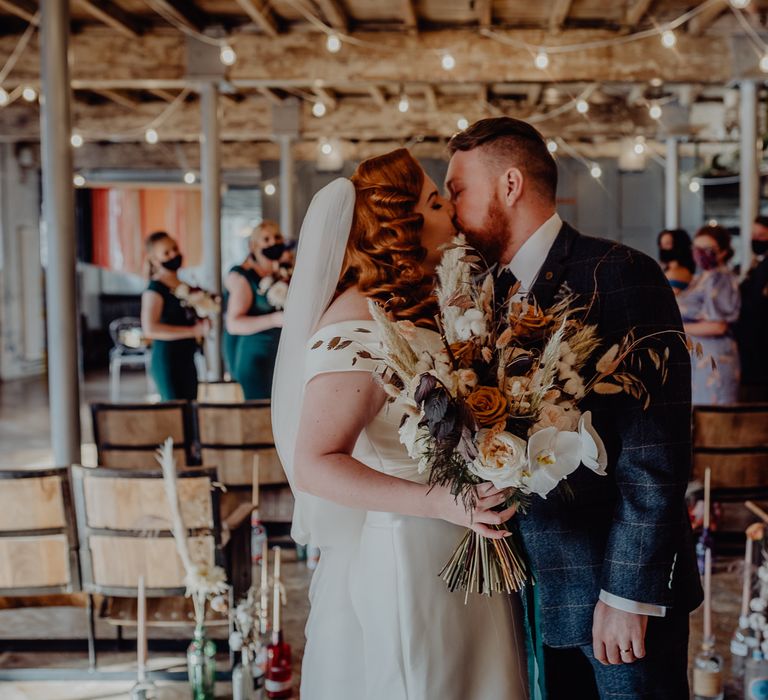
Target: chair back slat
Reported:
[(220, 392), (235, 466), (126, 458), (35, 562), (32, 504)]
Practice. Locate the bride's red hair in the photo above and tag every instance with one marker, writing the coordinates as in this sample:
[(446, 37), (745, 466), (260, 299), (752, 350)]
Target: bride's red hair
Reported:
[(384, 253)]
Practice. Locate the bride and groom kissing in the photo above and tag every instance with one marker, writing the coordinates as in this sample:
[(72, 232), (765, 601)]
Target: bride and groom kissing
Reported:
[(613, 563)]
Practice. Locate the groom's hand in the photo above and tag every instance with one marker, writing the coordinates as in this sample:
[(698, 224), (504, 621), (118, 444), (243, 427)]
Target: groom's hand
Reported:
[(618, 637)]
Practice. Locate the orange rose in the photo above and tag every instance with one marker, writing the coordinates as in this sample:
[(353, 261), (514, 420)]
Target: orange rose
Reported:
[(530, 323), (464, 352), (488, 405)]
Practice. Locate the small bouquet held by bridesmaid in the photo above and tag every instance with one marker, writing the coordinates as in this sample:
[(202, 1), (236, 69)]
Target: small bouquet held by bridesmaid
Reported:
[(499, 401), (205, 304)]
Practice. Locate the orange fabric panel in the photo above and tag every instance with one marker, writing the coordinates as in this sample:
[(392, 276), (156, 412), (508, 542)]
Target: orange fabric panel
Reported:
[(179, 213)]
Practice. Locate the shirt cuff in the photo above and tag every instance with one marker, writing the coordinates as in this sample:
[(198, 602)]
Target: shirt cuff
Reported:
[(632, 606)]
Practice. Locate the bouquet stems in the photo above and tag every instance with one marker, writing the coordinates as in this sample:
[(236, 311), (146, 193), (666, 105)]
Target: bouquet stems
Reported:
[(486, 566)]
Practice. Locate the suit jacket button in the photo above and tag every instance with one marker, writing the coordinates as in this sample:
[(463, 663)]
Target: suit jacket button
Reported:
[(549, 276)]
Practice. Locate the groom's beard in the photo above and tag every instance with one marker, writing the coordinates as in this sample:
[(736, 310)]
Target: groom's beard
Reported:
[(492, 237)]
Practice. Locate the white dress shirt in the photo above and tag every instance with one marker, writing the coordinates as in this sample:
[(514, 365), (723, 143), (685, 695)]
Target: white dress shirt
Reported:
[(525, 266)]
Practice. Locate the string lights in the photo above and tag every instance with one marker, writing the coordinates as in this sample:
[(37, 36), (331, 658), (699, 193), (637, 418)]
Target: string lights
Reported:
[(403, 104), (319, 109), (76, 140), (269, 189), (333, 43)]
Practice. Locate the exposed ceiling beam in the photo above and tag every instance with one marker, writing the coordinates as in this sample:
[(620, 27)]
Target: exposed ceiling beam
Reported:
[(261, 14), (431, 97), (162, 94), (635, 12), (114, 16), (119, 98), (26, 9), (335, 14), (701, 22), (410, 16), (183, 11), (558, 15), (534, 94), (484, 12), (271, 95), (378, 95), (326, 96)]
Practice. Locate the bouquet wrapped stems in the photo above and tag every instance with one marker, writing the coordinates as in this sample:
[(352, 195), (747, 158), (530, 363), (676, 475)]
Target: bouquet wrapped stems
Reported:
[(486, 566)]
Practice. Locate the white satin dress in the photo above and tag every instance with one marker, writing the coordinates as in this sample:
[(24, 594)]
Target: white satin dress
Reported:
[(382, 623)]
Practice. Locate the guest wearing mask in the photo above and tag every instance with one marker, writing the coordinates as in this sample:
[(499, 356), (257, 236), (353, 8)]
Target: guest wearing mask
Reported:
[(752, 328), (676, 258), (252, 320), (175, 329), (709, 307)]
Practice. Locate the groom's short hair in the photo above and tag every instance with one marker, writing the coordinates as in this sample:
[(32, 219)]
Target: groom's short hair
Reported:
[(512, 143)]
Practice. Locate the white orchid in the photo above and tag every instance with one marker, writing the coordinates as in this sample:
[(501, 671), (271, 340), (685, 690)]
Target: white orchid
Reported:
[(593, 454), (470, 324), (552, 455), (501, 458), (413, 437)]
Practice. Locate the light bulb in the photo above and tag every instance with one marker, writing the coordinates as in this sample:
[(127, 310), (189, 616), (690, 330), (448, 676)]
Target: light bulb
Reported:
[(582, 106), (694, 186), (404, 104), (639, 148), (542, 60), (595, 171), (333, 43), (4, 97), (326, 149), (448, 62), (151, 136), (739, 4), (319, 109), (29, 94), (764, 63), (269, 189), (227, 55), (76, 140), (78, 180), (552, 146), (654, 112), (462, 123), (712, 222), (668, 38), (189, 177)]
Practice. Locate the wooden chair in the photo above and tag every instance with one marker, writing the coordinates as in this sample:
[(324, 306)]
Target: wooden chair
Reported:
[(38, 542), (235, 437), (733, 441), (123, 520), (128, 435), (219, 392)]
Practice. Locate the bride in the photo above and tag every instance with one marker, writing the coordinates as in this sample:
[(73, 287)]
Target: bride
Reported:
[(382, 625)]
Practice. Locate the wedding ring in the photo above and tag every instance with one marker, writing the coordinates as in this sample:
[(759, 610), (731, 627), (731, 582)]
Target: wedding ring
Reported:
[(625, 651)]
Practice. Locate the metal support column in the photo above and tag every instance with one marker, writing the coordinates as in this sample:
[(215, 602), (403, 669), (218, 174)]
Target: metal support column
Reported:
[(672, 186), (59, 214), (749, 182), (286, 185), (210, 178)]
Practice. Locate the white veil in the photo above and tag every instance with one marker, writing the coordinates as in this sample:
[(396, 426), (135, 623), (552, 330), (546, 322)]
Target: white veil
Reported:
[(320, 255)]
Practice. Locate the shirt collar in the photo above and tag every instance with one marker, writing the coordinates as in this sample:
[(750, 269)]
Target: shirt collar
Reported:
[(528, 261)]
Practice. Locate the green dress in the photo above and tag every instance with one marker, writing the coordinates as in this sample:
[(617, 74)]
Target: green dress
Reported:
[(251, 358), (173, 361)]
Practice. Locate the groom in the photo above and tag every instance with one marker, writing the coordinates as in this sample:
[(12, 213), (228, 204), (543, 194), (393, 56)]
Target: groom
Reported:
[(614, 564)]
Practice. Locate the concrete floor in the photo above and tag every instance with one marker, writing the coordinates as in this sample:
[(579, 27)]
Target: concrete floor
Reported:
[(24, 441)]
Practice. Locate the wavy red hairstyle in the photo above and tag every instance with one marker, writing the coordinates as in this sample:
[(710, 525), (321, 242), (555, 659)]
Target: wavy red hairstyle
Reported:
[(384, 254)]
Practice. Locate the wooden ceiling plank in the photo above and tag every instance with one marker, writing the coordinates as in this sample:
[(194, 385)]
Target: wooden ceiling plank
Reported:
[(431, 96), (114, 16), (271, 96), (410, 16), (335, 14), (261, 14), (26, 9), (701, 22), (119, 98), (558, 15), (635, 12), (183, 11), (484, 12), (378, 95)]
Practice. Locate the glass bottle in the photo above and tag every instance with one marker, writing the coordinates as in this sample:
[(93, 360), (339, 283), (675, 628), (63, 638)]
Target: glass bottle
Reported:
[(756, 677), (708, 673), (242, 679), (201, 665)]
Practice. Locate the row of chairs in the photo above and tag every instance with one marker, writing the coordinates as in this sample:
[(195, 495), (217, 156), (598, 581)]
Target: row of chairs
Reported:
[(69, 534)]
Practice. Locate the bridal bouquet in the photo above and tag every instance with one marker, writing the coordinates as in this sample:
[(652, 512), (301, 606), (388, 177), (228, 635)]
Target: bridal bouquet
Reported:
[(203, 303), (499, 401), (275, 288)]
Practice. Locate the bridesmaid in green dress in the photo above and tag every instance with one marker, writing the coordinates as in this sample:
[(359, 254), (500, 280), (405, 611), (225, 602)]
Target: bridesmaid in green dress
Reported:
[(174, 329), (252, 323)]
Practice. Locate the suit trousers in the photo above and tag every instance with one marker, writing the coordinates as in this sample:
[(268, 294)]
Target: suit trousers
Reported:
[(661, 675)]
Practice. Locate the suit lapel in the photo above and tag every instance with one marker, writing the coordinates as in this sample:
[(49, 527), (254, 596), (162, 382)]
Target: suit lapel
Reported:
[(553, 270)]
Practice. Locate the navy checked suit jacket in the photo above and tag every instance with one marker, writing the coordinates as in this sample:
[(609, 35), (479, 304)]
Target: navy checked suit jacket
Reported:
[(628, 532)]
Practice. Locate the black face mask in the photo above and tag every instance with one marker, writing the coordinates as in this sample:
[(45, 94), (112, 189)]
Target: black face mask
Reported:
[(274, 252), (667, 256), (174, 263), (759, 247)]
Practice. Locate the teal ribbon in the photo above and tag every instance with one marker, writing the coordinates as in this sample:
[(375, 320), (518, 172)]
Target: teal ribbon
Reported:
[(534, 645)]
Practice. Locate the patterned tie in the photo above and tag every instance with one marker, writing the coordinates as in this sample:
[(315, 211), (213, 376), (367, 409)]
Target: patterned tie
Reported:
[(502, 286)]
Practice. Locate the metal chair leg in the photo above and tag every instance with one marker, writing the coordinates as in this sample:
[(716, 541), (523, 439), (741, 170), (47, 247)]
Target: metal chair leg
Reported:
[(115, 367), (91, 633)]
